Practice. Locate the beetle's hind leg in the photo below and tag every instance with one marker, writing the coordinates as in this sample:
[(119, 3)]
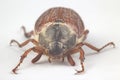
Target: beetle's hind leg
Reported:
[(27, 34)]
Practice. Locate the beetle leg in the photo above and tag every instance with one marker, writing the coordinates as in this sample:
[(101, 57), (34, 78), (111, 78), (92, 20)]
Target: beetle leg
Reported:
[(85, 34), (77, 71), (40, 52), (70, 60), (75, 50), (36, 58), (21, 59), (24, 55), (98, 49), (62, 59), (25, 43), (82, 60), (49, 59), (27, 34)]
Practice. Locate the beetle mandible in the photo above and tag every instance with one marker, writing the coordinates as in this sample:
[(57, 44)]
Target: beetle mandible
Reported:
[(59, 32)]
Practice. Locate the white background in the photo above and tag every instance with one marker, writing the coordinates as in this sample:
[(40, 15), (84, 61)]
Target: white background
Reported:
[(101, 17)]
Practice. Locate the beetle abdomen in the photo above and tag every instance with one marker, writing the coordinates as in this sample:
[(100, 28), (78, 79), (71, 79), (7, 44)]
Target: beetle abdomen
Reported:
[(65, 15)]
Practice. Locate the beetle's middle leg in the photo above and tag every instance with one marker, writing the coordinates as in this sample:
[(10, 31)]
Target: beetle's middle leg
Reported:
[(27, 34), (25, 43), (98, 49), (35, 49)]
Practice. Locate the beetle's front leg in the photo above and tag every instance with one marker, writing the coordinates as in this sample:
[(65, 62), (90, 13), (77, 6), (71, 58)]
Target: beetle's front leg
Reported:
[(82, 60), (24, 43), (21, 59), (73, 51), (35, 49), (70, 60), (36, 58)]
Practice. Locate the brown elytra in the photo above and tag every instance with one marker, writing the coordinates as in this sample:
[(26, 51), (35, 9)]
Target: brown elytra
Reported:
[(66, 15)]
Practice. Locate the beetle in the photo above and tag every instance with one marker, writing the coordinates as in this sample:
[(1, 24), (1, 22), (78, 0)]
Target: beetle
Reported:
[(58, 33)]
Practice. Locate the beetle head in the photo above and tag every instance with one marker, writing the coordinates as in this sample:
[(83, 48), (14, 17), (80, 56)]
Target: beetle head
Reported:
[(57, 38)]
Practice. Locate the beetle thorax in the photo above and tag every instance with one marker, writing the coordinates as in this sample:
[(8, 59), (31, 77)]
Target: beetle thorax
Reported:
[(57, 38)]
